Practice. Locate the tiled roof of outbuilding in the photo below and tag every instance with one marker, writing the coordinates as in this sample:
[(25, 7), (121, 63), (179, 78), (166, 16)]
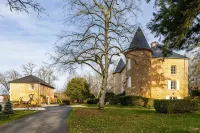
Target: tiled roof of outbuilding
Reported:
[(31, 79)]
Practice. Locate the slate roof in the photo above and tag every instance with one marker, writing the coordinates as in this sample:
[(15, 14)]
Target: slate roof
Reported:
[(120, 66), (31, 79), (157, 53), (139, 41)]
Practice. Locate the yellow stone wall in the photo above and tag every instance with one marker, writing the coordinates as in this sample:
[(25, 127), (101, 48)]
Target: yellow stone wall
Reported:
[(150, 76), (18, 90), (161, 73)]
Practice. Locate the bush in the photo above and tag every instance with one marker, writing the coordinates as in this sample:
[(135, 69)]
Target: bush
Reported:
[(126, 100), (176, 106), (93, 101), (91, 96), (8, 108), (0, 107), (195, 93), (109, 95), (148, 102), (66, 102), (137, 101)]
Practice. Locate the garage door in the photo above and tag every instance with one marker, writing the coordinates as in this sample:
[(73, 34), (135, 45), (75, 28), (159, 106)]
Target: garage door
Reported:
[(1, 99)]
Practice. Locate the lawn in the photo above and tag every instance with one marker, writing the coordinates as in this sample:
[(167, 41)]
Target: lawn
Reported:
[(132, 120), (15, 116)]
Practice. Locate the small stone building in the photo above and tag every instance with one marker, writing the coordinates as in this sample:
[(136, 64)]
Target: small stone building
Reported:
[(147, 73), (31, 87)]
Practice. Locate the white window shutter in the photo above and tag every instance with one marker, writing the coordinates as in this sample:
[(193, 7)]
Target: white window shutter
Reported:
[(167, 97), (129, 64), (177, 84), (129, 82), (169, 84)]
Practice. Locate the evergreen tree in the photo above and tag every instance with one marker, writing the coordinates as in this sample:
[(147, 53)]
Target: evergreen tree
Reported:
[(77, 89), (8, 108), (178, 22)]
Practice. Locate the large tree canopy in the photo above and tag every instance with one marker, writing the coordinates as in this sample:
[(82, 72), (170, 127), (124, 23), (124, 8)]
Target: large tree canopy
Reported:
[(102, 27), (178, 23)]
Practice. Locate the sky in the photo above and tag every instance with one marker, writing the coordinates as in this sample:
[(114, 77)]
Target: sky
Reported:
[(28, 38)]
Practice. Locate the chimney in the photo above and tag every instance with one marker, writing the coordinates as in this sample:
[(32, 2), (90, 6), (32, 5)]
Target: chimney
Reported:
[(153, 44)]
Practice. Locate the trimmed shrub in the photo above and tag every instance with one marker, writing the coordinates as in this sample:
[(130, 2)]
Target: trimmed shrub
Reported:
[(176, 106), (66, 102), (93, 101), (126, 100), (137, 101), (195, 93), (148, 102), (109, 95), (8, 108), (0, 107), (91, 96)]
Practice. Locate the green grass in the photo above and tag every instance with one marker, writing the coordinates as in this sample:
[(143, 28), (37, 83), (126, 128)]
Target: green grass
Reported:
[(132, 120), (15, 116)]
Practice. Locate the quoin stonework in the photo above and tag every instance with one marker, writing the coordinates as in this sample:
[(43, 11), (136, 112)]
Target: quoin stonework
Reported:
[(147, 73)]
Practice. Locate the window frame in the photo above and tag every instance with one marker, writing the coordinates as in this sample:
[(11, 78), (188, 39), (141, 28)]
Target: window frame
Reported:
[(173, 97), (32, 86), (173, 85), (173, 69)]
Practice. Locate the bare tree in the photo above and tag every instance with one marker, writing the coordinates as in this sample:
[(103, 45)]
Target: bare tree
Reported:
[(46, 74), (12, 75), (8, 76), (4, 81), (194, 71), (24, 6), (103, 27), (29, 69)]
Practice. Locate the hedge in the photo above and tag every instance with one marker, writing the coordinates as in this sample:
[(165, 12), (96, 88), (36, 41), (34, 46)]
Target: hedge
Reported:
[(126, 100), (93, 101), (176, 106), (195, 93), (1, 107), (136, 101)]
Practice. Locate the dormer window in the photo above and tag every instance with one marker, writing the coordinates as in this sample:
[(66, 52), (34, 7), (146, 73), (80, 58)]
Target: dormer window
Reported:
[(173, 69)]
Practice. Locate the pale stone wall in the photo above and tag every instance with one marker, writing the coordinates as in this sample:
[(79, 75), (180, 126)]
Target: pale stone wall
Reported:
[(119, 79), (18, 90)]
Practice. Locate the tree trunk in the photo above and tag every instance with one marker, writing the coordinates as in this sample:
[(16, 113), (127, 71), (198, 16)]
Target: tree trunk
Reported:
[(103, 93), (105, 71)]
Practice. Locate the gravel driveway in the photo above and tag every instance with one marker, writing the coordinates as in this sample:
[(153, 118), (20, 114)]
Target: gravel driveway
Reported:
[(52, 120)]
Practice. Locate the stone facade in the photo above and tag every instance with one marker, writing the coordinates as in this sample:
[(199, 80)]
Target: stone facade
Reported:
[(42, 93), (152, 77)]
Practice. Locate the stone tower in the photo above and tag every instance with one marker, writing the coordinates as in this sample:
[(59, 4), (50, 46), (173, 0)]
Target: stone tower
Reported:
[(138, 65)]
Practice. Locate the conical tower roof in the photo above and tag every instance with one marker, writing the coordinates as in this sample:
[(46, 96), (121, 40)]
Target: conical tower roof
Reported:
[(139, 41)]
